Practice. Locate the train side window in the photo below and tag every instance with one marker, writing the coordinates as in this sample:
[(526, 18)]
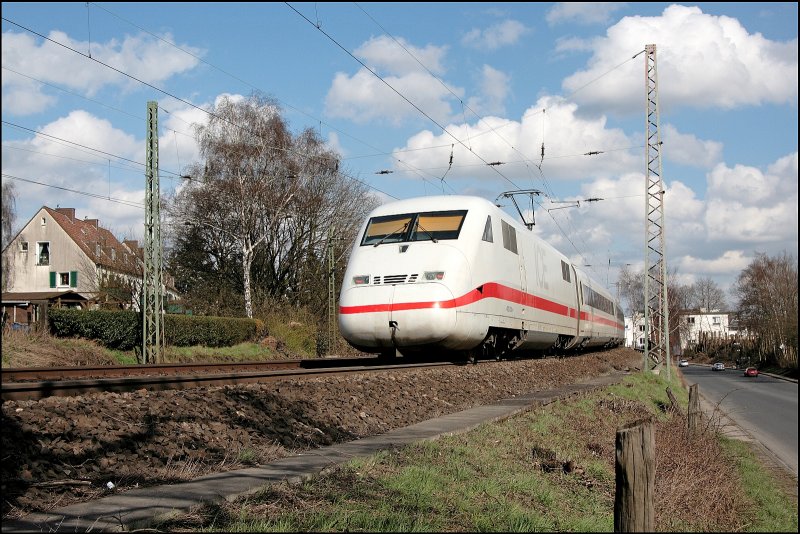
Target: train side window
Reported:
[(487, 230), (565, 272), (509, 237)]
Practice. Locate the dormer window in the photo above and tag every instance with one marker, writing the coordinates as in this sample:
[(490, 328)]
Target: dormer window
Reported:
[(113, 255), (97, 250)]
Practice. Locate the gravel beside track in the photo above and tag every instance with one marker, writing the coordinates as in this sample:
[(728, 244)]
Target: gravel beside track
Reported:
[(58, 451)]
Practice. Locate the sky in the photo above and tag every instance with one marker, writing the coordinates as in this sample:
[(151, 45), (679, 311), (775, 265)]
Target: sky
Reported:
[(433, 98)]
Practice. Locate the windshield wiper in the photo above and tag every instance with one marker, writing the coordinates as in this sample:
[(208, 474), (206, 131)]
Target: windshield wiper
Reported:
[(387, 236), (427, 232)]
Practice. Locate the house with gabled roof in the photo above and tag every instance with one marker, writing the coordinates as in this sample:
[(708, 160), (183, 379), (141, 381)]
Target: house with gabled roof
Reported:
[(57, 252)]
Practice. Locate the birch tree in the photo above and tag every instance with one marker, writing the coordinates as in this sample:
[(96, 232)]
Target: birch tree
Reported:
[(244, 183), (9, 214), (253, 223)]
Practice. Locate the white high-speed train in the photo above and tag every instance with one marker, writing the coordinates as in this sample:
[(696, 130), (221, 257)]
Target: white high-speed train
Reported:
[(457, 273)]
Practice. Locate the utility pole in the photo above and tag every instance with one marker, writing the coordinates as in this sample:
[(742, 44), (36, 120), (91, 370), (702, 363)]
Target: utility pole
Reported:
[(656, 314), (152, 279)]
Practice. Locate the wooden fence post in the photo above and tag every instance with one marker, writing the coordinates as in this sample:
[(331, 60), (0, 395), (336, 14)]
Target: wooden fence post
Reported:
[(635, 478), (694, 408)]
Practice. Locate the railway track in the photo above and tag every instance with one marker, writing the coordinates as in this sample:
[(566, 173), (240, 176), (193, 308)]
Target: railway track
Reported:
[(38, 383)]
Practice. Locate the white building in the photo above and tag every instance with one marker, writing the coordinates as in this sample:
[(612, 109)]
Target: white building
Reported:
[(703, 326), (634, 331)]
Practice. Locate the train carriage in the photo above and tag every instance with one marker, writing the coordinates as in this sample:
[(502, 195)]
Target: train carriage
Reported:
[(457, 273)]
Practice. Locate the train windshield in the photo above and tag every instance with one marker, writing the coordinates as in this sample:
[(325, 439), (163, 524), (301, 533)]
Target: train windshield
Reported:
[(428, 226)]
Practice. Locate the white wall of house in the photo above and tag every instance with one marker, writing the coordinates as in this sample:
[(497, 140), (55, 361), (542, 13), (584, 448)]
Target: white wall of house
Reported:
[(30, 271), (713, 324), (634, 331)]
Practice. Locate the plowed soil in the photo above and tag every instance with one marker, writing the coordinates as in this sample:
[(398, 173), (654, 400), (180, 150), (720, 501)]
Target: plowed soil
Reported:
[(60, 451)]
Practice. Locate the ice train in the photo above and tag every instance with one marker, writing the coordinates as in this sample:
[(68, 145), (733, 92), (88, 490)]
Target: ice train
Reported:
[(458, 274)]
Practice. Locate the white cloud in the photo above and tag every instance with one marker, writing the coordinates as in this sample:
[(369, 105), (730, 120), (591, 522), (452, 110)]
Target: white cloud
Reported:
[(702, 60), (67, 168), (494, 87), (748, 205), (567, 138), (141, 56), (384, 54), (583, 12), (23, 96), (501, 34), (363, 97), (687, 149), (731, 262)]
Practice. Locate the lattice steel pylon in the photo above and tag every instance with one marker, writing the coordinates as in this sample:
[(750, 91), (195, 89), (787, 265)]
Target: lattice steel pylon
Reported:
[(152, 279), (656, 313), (332, 315)]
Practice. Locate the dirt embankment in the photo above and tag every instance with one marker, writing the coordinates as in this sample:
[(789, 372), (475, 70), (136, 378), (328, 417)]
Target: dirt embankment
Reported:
[(59, 451)]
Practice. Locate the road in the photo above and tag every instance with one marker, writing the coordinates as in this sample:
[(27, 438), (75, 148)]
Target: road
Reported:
[(763, 406)]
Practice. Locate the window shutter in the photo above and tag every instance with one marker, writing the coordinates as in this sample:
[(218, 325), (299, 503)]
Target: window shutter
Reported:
[(73, 279), (52, 279)]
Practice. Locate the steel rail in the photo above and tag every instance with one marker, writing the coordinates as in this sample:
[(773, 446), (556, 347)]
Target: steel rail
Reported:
[(19, 374), (40, 390)]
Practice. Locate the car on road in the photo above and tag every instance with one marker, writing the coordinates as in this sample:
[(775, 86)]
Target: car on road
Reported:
[(751, 371), (683, 363), (719, 366)]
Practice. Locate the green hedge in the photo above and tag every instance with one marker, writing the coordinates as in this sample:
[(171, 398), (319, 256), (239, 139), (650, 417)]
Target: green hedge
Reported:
[(191, 330), (123, 329)]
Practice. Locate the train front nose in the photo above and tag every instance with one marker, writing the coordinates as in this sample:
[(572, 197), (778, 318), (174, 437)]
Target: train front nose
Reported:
[(402, 315)]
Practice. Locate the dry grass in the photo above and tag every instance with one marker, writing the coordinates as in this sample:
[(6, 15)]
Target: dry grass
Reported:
[(698, 485), (40, 349)]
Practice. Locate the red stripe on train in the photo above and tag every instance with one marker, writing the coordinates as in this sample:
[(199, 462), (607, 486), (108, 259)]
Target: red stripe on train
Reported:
[(489, 290)]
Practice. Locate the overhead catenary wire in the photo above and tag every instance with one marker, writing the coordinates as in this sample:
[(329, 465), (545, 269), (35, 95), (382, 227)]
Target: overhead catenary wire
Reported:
[(252, 86), (154, 87), (401, 95), (85, 193), (144, 83), (117, 156)]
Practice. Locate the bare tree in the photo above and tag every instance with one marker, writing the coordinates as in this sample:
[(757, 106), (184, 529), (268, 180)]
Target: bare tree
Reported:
[(9, 211), (631, 288), (706, 294), (244, 146), (767, 292), (631, 285), (254, 222)]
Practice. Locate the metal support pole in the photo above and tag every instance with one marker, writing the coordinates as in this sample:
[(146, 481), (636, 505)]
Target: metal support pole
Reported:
[(656, 314), (152, 279), (331, 292)]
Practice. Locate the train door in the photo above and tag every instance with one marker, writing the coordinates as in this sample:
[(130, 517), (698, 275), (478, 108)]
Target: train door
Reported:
[(577, 300), (523, 280), (513, 272)]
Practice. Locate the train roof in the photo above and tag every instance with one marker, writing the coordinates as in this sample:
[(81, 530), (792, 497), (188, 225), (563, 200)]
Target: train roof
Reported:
[(431, 203)]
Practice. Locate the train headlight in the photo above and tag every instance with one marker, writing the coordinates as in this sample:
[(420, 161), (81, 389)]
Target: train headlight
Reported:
[(361, 280), (434, 275)]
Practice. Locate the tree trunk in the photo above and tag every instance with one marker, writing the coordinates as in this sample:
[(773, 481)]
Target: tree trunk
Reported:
[(247, 262)]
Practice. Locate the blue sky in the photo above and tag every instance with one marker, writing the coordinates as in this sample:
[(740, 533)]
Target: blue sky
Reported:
[(501, 79)]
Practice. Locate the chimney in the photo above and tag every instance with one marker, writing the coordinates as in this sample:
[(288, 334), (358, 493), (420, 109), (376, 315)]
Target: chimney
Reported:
[(132, 244), (69, 212), (93, 222)]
